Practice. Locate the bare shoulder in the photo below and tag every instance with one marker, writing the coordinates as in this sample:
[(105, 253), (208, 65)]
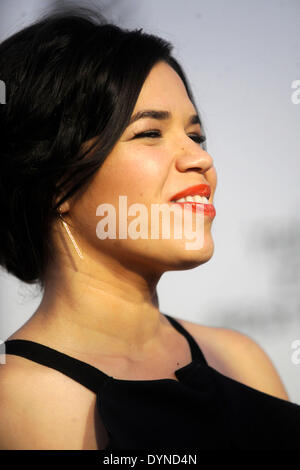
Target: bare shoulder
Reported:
[(35, 413), (237, 356)]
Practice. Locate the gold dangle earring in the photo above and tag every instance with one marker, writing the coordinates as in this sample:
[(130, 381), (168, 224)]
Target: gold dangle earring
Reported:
[(70, 234)]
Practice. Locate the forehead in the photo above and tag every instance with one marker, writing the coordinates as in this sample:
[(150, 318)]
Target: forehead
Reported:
[(163, 88)]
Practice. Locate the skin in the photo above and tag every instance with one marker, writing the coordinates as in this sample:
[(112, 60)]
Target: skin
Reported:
[(107, 302), (103, 309)]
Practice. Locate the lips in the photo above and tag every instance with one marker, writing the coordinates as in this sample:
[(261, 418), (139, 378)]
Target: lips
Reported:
[(199, 189)]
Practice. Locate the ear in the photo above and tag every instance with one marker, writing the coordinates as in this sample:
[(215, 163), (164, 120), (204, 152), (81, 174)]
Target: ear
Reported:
[(64, 207)]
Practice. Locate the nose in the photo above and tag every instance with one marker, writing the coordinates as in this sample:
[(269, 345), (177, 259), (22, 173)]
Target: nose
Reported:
[(189, 159)]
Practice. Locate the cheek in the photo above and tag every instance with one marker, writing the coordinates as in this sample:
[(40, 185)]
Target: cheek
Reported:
[(140, 169), (134, 173), (147, 160), (145, 170), (212, 178)]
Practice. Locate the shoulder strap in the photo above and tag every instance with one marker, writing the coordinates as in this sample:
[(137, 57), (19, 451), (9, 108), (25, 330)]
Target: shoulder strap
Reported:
[(195, 349), (86, 374)]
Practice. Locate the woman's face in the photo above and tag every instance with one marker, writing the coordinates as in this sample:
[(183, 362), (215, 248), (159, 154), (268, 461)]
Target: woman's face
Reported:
[(149, 170)]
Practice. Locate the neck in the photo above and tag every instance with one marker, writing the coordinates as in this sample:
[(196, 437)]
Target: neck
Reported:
[(106, 308)]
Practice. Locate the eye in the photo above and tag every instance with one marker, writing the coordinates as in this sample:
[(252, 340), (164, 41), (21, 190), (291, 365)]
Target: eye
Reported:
[(151, 134), (199, 139)]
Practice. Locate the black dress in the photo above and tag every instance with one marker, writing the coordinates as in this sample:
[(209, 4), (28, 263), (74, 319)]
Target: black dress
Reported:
[(205, 410)]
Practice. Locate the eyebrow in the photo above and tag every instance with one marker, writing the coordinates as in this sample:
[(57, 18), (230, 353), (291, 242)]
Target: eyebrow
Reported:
[(161, 115)]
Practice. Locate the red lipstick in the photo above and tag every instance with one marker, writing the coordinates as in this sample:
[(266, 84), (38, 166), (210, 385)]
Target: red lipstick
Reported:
[(200, 190)]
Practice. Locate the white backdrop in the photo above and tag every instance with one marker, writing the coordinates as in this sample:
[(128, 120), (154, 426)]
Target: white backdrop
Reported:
[(241, 58)]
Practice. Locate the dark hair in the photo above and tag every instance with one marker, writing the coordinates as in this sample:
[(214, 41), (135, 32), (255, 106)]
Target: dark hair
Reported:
[(69, 77)]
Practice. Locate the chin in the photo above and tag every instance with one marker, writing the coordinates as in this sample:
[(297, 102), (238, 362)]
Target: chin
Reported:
[(168, 255), (188, 259), (195, 259)]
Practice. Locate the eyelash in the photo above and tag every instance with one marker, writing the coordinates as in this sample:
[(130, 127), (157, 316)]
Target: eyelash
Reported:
[(200, 139)]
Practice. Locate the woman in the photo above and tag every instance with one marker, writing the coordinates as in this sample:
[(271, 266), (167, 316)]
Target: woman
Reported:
[(95, 112)]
